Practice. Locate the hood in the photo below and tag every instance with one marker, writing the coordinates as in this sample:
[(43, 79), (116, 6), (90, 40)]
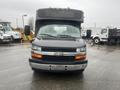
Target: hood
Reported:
[(59, 43), (6, 35), (12, 32)]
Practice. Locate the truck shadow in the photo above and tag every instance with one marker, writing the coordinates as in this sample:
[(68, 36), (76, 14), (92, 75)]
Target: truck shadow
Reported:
[(10, 44), (6, 44), (58, 75), (54, 81)]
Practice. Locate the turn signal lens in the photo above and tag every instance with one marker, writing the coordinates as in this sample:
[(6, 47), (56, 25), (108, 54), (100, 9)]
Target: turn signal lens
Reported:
[(80, 57), (35, 55)]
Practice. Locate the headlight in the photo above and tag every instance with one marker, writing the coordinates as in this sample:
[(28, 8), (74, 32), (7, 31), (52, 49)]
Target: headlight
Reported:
[(81, 53), (83, 49), (1, 34), (36, 48)]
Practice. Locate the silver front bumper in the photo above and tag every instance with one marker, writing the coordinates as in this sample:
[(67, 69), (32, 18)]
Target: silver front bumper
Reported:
[(6, 40), (52, 67)]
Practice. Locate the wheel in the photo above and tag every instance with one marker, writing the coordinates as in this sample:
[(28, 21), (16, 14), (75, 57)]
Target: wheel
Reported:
[(79, 72), (0, 41), (12, 38), (36, 70), (96, 40)]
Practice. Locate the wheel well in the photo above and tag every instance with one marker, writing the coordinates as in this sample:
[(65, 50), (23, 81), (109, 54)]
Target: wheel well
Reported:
[(96, 38), (12, 36)]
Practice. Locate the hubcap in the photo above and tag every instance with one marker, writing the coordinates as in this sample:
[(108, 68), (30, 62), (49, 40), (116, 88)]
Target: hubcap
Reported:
[(96, 41)]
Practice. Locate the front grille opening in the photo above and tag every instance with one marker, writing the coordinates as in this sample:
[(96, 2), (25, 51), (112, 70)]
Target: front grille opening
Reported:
[(58, 58), (52, 49)]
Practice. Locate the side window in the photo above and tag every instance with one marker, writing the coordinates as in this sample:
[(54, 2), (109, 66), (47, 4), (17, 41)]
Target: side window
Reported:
[(104, 31)]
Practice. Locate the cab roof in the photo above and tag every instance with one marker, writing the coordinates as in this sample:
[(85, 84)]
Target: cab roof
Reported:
[(60, 14)]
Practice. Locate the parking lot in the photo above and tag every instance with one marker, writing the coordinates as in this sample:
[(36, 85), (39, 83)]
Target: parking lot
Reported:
[(102, 72)]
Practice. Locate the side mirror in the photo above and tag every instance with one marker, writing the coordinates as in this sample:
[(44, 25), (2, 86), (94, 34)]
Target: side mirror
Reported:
[(32, 40), (1, 33), (27, 30), (1, 27)]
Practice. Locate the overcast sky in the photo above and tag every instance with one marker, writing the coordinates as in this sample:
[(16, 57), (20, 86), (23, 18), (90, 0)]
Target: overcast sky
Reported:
[(101, 12)]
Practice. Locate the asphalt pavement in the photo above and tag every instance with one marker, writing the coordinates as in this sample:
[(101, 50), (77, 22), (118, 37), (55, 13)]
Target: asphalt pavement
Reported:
[(102, 73)]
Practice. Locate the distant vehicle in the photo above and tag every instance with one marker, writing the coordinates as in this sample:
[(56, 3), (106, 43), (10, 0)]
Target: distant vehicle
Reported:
[(104, 34), (4, 38), (86, 33), (8, 30), (58, 45)]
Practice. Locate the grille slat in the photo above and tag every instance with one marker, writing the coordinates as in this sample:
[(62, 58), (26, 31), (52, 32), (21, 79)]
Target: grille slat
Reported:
[(58, 58), (51, 49)]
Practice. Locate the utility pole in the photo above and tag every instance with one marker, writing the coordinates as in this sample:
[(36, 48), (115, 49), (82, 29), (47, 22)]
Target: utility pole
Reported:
[(16, 22), (23, 20)]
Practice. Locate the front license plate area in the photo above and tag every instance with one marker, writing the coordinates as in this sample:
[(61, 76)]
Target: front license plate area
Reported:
[(58, 67), (59, 54)]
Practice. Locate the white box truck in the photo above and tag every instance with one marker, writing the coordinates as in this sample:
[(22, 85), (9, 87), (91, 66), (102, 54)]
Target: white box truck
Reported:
[(4, 38), (103, 34), (8, 30)]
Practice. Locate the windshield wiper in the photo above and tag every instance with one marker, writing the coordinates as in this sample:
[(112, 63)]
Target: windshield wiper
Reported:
[(47, 35), (66, 36)]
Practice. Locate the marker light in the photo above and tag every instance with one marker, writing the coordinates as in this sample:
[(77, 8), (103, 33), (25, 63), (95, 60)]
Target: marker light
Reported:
[(35, 55)]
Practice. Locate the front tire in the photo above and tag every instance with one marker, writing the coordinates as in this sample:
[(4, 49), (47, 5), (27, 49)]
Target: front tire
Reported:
[(12, 39), (35, 70), (79, 72), (96, 40), (0, 41)]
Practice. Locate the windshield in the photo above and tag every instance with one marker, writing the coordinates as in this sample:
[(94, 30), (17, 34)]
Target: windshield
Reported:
[(61, 31), (6, 28)]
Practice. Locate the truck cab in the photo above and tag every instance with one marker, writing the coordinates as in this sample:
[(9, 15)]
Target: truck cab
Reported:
[(58, 45), (9, 31), (100, 35), (4, 38)]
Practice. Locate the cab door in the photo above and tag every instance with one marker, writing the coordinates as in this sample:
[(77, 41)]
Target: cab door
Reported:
[(1, 31), (89, 34), (104, 34)]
